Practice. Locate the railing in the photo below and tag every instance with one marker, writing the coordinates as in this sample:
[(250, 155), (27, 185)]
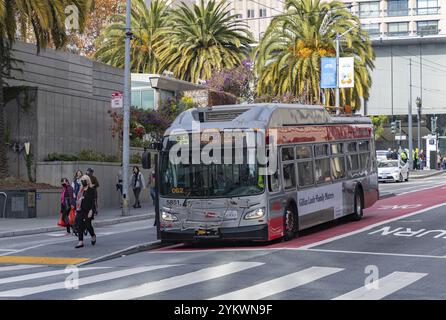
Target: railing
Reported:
[(396, 13), (369, 14), (427, 11), (4, 206), (397, 33), (428, 32)]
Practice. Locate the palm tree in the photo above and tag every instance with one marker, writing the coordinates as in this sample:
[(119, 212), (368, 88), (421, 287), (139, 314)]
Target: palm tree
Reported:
[(288, 56), (146, 23), (203, 38), (44, 22)]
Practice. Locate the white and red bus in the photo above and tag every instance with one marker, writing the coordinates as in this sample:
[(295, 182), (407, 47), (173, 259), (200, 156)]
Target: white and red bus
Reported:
[(324, 168)]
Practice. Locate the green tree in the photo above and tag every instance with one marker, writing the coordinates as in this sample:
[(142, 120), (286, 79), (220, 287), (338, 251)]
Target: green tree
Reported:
[(288, 56), (146, 24), (378, 125), (203, 38), (41, 21)]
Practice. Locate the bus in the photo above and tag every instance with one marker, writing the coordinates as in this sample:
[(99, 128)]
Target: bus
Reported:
[(325, 168)]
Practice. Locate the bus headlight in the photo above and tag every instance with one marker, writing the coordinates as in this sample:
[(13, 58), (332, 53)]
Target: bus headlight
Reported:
[(256, 214), (166, 216)]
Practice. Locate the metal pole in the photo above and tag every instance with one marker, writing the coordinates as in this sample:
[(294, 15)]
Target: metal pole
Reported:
[(337, 76), (391, 81), (126, 125), (410, 116), (419, 129)]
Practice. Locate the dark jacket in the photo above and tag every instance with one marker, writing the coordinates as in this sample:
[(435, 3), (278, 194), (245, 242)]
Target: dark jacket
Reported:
[(87, 203), (68, 197)]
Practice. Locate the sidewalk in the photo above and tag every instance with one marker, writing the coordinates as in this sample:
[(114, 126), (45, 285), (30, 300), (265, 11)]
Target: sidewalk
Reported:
[(420, 174), (20, 227)]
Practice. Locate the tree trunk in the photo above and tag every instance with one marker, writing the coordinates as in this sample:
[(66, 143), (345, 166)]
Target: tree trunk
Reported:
[(3, 147)]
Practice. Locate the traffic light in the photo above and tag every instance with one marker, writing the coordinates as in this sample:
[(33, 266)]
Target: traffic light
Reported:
[(393, 127)]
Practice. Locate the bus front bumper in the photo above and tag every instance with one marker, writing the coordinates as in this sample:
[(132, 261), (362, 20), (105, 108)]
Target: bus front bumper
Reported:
[(251, 233)]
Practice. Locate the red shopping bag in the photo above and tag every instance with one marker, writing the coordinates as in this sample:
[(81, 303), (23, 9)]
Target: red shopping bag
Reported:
[(61, 222), (71, 217)]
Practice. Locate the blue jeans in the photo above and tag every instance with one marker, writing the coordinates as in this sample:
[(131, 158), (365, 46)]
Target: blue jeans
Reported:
[(152, 194)]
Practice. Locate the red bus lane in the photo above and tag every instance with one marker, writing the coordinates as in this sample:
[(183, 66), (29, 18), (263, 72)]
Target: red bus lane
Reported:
[(383, 210)]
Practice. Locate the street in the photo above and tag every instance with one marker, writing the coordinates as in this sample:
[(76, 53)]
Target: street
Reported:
[(397, 251)]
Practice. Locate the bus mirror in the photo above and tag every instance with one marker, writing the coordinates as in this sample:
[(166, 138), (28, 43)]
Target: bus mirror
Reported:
[(146, 160)]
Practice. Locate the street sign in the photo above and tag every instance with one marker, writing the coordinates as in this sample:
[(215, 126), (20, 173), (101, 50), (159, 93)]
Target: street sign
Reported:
[(346, 72), (401, 137), (328, 73), (117, 100)]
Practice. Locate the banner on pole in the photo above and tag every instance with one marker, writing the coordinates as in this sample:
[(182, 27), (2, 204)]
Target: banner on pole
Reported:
[(328, 73), (346, 72)]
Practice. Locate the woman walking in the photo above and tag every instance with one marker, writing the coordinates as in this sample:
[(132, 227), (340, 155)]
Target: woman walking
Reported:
[(66, 202), (76, 184), (137, 185), (84, 211)]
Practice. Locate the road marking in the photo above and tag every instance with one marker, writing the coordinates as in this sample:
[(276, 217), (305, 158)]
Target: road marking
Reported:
[(38, 275), (41, 260), (82, 281), (174, 282), (18, 267), (369, 227), (370, 253), (387, 285), (269, 288)]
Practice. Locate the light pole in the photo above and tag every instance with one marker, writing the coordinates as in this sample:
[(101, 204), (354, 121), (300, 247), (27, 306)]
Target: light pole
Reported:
[(126, 118), (338, 38), (409, 117)]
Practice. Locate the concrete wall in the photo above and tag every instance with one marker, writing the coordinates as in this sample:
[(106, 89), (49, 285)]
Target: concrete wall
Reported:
[(48, 203), (73, 100), (108, 197)]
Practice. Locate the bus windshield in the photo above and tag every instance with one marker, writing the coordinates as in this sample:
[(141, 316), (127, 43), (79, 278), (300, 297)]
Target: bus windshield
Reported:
[(209, 180)]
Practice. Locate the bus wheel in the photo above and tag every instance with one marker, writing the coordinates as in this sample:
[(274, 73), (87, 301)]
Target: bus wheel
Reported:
[(358, 206), (291, 223)]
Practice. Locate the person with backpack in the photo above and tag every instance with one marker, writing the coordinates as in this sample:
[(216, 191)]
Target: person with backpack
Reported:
[(137, 184)]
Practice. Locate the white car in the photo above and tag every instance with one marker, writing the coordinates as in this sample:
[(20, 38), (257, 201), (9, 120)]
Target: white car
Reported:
[(381, 155), (393, 170)]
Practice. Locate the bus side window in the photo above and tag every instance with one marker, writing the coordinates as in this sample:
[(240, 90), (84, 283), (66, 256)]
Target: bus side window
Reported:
[(305, 173), (289, 176)]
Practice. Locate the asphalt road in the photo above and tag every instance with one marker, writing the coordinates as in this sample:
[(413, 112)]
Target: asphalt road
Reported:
[(394, 188), (398, 251)]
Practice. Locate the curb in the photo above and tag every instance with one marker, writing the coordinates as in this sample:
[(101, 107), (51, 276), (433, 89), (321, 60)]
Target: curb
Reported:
[(385, 196), (99, 223), (124, 252), (426, 176)]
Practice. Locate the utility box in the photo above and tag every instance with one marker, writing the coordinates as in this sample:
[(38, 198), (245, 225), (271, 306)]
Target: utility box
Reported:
[(433, 160), (20, 204)]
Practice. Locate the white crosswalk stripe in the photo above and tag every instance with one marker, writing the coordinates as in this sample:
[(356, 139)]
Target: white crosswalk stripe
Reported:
[(175, 282), (19, 267), (386, 286), (45, 274), (269, 288), (82, 281)]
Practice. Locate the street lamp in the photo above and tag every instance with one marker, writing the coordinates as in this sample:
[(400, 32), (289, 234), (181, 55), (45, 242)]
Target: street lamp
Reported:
[(338, 38), (418, 102)]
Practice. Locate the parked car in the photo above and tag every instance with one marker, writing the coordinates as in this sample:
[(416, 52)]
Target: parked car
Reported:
[(381, 155), (393, 170)]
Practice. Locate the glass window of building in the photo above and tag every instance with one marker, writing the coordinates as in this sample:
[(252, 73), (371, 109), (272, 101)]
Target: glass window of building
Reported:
[(397, 8), (371, 28), (250, 13), (398, 29), (143, 98), (427, 7), (369, 9), (427, 27), (262, 12)]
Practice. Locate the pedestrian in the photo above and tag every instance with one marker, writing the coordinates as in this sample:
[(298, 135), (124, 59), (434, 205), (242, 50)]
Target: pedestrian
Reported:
[(66, 202), (76, 184), (389, 154), (444, 163), (94, 186), (119, 184), (137, 185), (394, 155), (152, 185), (84, 211)]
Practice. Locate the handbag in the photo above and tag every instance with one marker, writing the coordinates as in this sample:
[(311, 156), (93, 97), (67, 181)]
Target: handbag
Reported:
[(61, 222), (72, 216)]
